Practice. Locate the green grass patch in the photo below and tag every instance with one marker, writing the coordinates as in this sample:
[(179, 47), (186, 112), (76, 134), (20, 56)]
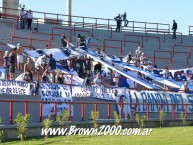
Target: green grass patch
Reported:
[(159, 136)]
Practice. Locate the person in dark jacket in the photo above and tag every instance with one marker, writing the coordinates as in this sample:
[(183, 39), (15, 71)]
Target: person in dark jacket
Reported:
[(119, 20), (174, 28), (63, 40)]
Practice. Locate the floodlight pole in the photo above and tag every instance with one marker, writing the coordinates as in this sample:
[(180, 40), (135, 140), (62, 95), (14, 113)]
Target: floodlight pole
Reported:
[(68, 12)]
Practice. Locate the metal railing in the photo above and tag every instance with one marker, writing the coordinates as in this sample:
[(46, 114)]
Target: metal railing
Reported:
[(95, 104), (163, 51), (30, 41), (142, 37), (121, 43), (135, 26), (164, 32)]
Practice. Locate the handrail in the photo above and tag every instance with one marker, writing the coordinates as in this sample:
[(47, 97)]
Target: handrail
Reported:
[(159, 44), (105, 47), (165, 32), (161, 58), (70, 29), (54, 78), (91, 25), (121, 41), (186, 46), (107, 21), (95, 104), (165, 51), (30, 41), (1, 57)]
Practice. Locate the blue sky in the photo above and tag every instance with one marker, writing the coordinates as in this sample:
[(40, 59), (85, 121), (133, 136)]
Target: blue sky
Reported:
[(163, 11)]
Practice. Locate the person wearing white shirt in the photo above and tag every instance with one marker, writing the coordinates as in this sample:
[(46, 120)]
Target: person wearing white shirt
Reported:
[(22, 18), (138, 51), (29, 19)]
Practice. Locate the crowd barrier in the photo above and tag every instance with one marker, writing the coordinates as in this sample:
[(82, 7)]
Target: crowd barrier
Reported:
[(142, 37), (164, 32), (163, 51), (95, 108), (121, 42), (30, 41)]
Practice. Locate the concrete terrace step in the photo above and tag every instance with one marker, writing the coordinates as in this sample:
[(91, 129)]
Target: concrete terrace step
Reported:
[(179, 60)]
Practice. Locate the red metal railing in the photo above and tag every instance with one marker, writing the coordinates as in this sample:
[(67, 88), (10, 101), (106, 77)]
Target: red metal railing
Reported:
[(121, 41), (163, 51), (164, 32), (95, 105), (184, 46), (91, 25), (131, 35), (30, 41), (104, 46), (54, 77), (154, 59), (1, 57), (71, 30), (111, 80)]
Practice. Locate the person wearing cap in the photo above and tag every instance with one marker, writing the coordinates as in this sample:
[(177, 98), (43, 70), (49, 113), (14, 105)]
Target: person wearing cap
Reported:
[(19, 57), (6, 64), (12, 61), (28, 68)]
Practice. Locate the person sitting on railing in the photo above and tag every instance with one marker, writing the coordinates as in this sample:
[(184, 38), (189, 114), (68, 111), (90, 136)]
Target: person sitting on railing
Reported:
[(96, 80), (80, 41), (143, 59), (184, 88), (6, 64), (136, 60), (28, 68), (166, 72), (59, 78), (149, 67), (183, 75), (12, 61), (63, 40), (46, 78), (26, 76), (138, 50), (40, 64), (19, 57), (129, 57)]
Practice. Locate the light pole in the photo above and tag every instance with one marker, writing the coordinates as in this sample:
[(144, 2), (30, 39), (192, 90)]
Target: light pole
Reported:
[(68, 12)]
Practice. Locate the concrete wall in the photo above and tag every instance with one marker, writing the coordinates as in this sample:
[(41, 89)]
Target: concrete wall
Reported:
[(33, 108), (34, 130)]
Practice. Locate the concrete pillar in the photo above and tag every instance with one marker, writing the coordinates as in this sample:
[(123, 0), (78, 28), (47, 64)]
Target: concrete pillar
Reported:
[(12, 4), (68, 12)]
